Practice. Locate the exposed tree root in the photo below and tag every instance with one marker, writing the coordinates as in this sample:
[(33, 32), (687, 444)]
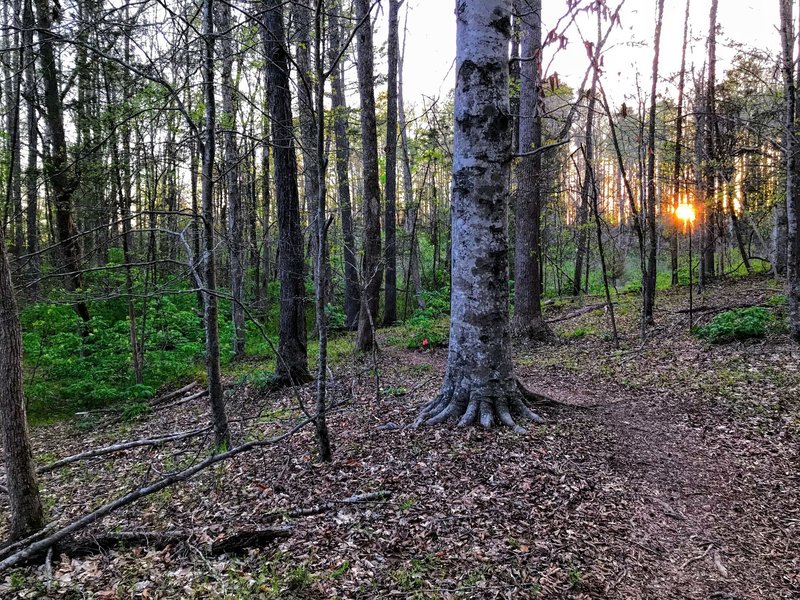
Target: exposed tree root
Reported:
[(476, 407), (537, 399)]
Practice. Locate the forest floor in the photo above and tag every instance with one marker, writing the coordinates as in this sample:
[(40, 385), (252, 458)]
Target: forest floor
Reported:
[(670, 471)]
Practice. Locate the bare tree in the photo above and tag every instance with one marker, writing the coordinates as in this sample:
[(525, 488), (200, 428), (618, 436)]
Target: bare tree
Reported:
[(649, 284), (233, 192)]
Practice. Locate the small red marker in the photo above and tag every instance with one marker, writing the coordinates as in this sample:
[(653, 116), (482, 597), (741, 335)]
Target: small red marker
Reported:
[(424, 344)]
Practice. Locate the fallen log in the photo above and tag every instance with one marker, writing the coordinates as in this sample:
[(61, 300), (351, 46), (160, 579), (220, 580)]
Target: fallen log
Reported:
[(326, 506), (175, 437)]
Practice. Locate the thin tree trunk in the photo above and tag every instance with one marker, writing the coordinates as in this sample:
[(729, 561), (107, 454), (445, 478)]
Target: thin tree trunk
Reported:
[(528, 320), (649, 285), (292, 361), (342, 142), (792, 149), (213, 372), (371, 271), (711, 213), (390, 220), (582, 244), (31, 173), (23, 489), (411, 207), (676, 176), (321, 262), (63, 179), (234, 196)]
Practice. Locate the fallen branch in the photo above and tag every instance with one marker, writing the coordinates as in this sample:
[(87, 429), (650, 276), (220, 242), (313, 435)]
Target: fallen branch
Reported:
[(8, 549), (41, 546), (167, 397), (326, 506), (578, 312), (194, 396), (175, 437)]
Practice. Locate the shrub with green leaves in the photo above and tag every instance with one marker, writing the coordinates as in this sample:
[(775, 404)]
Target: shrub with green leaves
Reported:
[(737, 324)]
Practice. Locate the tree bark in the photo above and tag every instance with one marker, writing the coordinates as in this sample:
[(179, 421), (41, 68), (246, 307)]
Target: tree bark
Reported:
[(292, 361), (23, 490), (371, 268), (479, 384), (528, 321)]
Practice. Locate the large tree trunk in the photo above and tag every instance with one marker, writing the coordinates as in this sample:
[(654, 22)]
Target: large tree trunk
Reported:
[(60, 171), (23, 490), (479, 384), (234, 196), (528, 320), (291, 362), (371, 271), (390, 221), (340, 125), (649, 284), (792, 150), (220, 419)]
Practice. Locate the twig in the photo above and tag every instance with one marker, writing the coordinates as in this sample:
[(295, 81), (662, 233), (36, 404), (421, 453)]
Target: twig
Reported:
[(696, 558), (326, 506)]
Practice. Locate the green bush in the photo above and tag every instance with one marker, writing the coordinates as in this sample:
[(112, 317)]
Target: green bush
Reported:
[(736, 324)]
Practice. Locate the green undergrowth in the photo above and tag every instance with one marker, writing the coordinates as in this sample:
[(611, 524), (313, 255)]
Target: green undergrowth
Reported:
[(737, 324), (431, 323), (69, 369)]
